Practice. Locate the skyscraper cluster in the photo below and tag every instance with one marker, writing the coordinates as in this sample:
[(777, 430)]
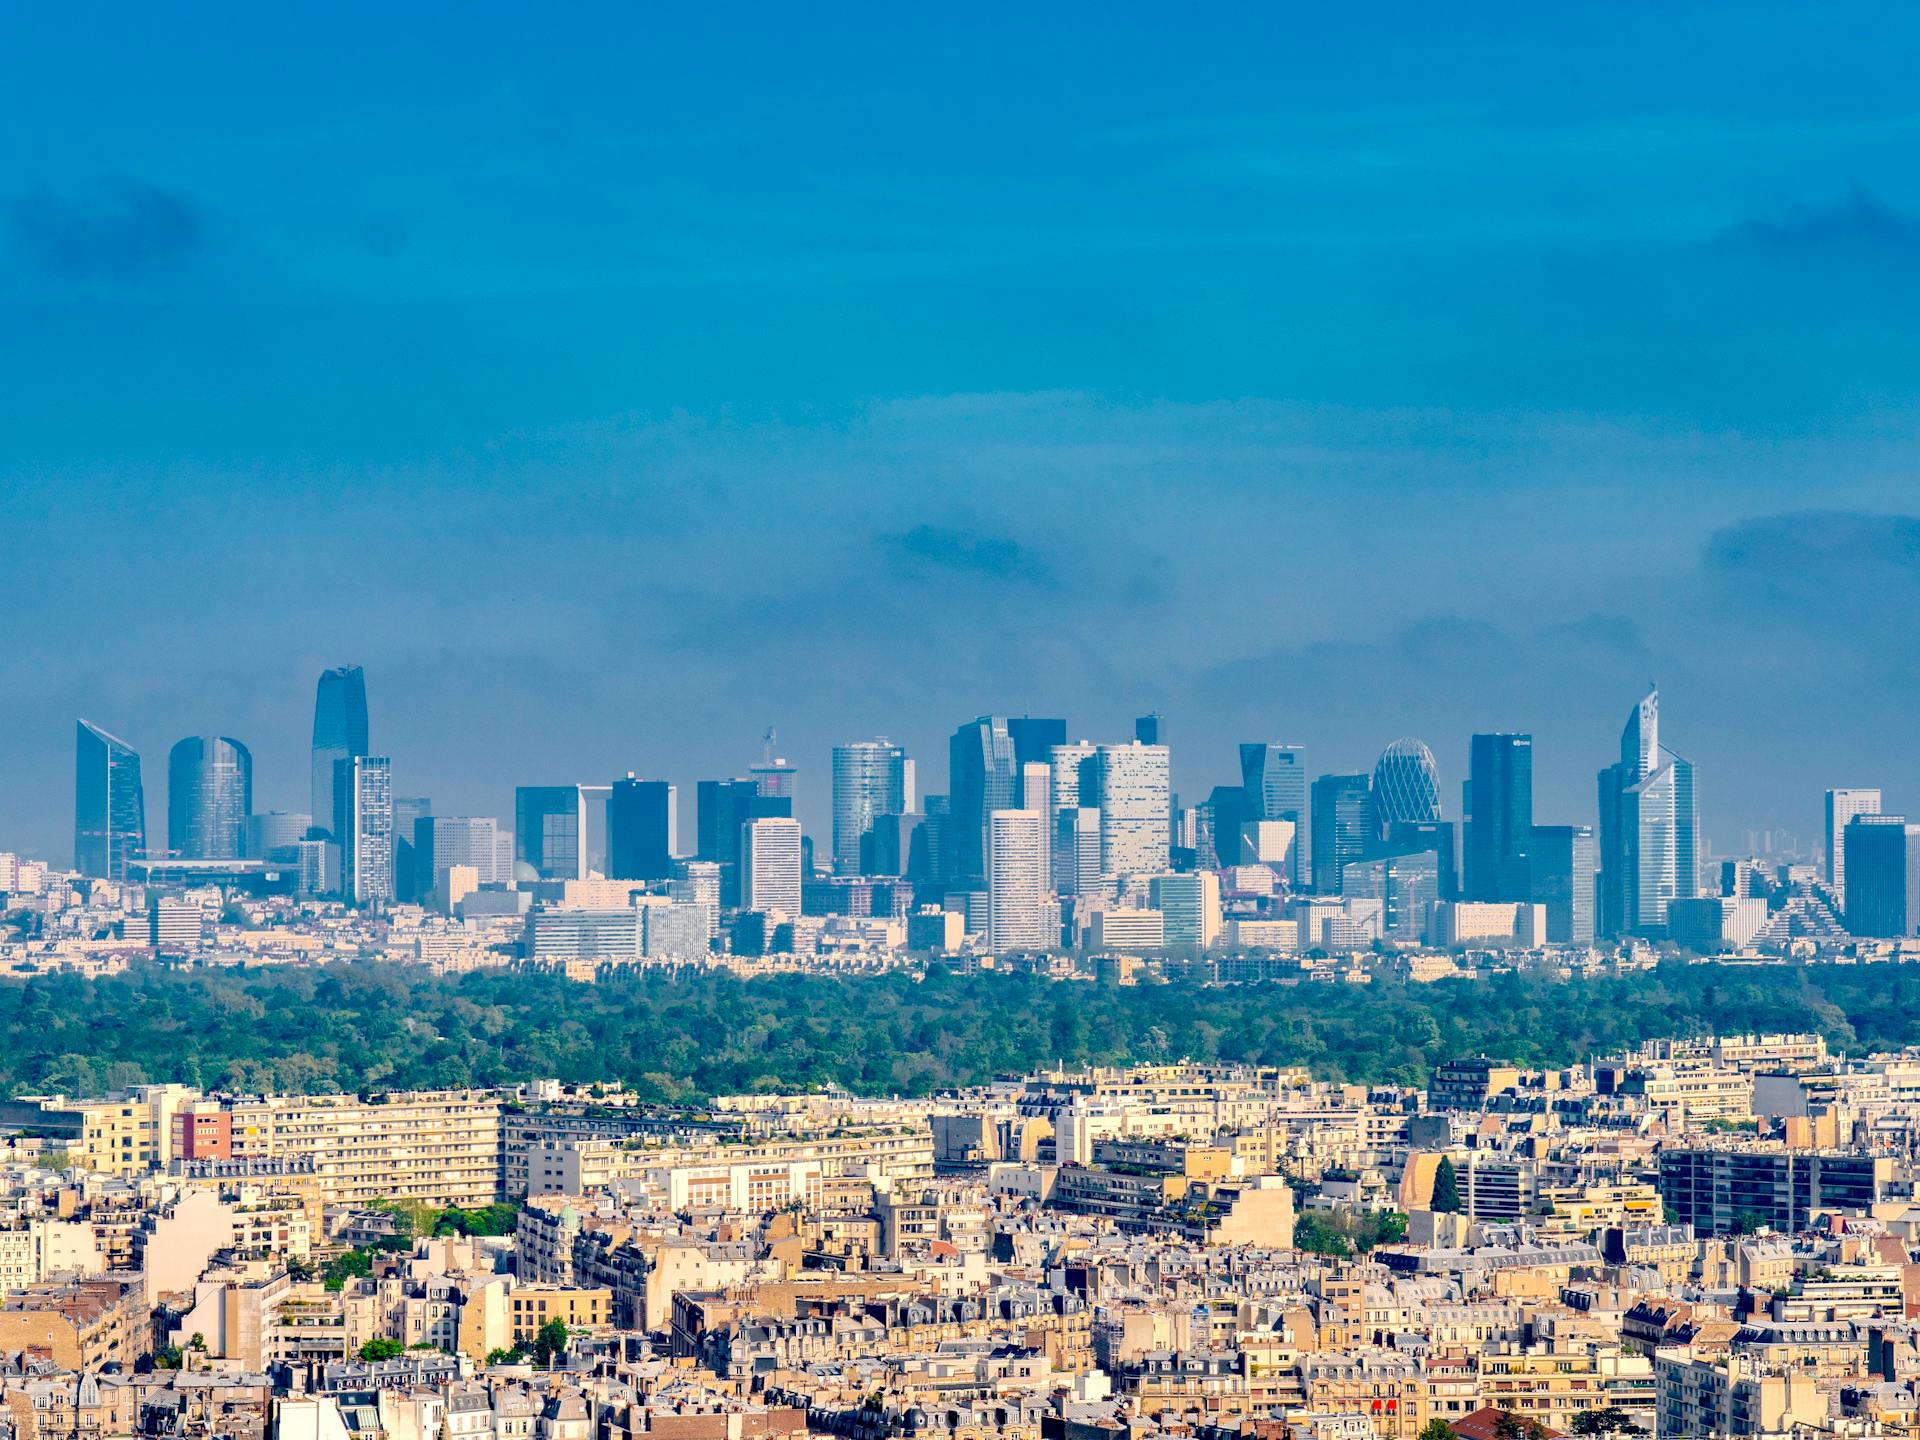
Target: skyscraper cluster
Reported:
[(1037, 838)]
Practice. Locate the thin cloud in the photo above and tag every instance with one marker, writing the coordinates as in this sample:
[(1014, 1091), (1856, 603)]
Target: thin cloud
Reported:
[(116, 229)]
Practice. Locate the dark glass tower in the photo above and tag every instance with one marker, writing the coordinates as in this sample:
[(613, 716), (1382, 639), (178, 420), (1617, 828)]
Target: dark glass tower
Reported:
[(640, 830), (1499, 817), (982, 775), (1033, 741), (109, 805), (339, 732), (209, 797), (1342, 827), (1275, 779)]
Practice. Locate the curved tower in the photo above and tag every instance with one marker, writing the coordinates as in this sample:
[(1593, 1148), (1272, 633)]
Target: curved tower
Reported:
[(209, 797), (1406, 785)]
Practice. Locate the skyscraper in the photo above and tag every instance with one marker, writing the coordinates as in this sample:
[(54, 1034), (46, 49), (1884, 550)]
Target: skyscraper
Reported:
[(1150, 729), (410, 880), (1135, 797), (1499, 818), (1074, 860), (1842, 806), (640, 829), (871, 778), (775, 776), (1341, 827), (1033, 741), (550, 830), (441, 842), (770, 865), (1406, 786), (109, 804), (339, 731), (363, 827), (209, 797), (1190, 904), (1072, 786), (721, 807), (1563, 861), (1649, 828), (1275, 779), (1882, 867), (980, 779), (1016, 881)]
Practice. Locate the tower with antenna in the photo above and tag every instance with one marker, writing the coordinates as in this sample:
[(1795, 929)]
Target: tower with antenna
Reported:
[(773, 775)]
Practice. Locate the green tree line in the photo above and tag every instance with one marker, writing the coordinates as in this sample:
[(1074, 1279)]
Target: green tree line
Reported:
[(373, 1026)]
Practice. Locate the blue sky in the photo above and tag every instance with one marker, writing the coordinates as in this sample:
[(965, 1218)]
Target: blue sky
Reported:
[(612, 384)]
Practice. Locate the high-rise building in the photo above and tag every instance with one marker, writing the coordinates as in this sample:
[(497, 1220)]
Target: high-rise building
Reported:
[(209, 797), (363, 827), (1150, 729), (109, 804), (1563, 861), (1190, 904), (1882, 867), (721, 807), (339, 731), (1222, 818), (441, 842), (275, 830), (1499, 818), (1649, 828), (698, 885), (1406, 786), (1017, 881), (1134, 793), (1074, 862), (1036, 782), (981, 778), (775, 777), (1842, 806), (1408, 887), (1033, 741), (1341, 828), (1275, 779), (871, 778), (770, 865), (1072, 786), (410, 878), (550, 830), (641, 826)]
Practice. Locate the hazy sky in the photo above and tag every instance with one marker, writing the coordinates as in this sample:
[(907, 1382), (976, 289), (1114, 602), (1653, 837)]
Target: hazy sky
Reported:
[(614, 383)]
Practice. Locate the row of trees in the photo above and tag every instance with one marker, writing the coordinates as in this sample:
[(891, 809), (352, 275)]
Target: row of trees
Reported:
[(681, 1036)]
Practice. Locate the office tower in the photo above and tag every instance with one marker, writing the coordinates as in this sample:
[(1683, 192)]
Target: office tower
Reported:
[(1563, 861), (1406, 786), (1341, 828), (1882, 866), (699, 885), (550, 830), (1842, 806), (209, 797), (775, 777), (1033, 741), (409, 875), (770, 865), (598, 800), (871, 778), (888, 847), (1150, 729), (980, 779), (1649, 827), (721, 807), (109, 805), (441, 842), (1190, 904), (1036, 780), (339, 732), (1133, 791), (1275, 779), (1016, 882), (1499, 818), (275, 830), (640, 829), (1071, 786), (1407, 885), (1074, 862), (1223, 817), (363, 827)]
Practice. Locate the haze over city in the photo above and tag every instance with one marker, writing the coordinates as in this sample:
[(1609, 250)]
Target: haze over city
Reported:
[(1291, 385)]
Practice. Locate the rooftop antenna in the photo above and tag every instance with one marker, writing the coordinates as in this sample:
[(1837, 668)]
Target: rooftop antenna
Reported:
[(772, 739)]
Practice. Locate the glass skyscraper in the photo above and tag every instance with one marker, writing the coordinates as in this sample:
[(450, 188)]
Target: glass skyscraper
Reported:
[(1275, 779), (339, 732), (1406, 786), (640, 829), (209, 797), (1563, 861), (1342, 827), (981, 777), (1649, 828), (109, 804), (1499, 818), (363, 827), (550, 830), (871, 778)]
